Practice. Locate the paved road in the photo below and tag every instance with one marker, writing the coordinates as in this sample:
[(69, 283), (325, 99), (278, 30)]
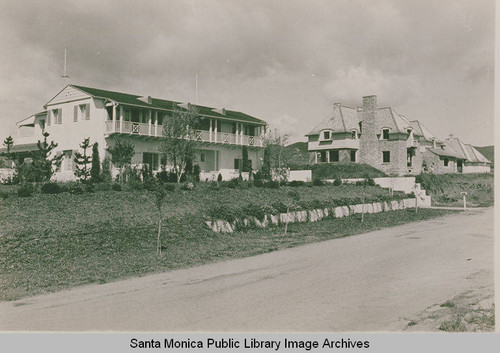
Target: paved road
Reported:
[(368, 282)]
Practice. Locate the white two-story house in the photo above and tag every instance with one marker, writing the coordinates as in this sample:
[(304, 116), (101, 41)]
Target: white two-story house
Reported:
[(77, 112)]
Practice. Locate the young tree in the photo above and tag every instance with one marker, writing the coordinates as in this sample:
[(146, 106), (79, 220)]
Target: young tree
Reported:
[(82, 160), (95, 170), (279, 156), (121, 154), (8, 143), (44, 163), (179, 139), (105, 170)]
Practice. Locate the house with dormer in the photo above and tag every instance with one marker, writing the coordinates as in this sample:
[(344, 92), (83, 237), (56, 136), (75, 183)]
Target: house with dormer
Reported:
[(388, 141), (78, 112)]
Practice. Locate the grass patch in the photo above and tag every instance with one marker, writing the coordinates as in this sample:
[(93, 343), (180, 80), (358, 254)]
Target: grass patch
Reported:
[(448, 304), (445, 189), (453, 325), (88, 238)]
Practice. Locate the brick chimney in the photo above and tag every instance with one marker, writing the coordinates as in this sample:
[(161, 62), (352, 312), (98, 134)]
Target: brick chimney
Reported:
[(369, 103)]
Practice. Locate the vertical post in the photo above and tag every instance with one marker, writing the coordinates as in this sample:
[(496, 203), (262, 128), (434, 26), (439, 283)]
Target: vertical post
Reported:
[(464, 194), (149, 122), (113, 119), (210, 131), (121, 118), (215, 130), (156, 123)]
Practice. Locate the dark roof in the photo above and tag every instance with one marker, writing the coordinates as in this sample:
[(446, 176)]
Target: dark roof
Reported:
[(21, 148), (135, 100)]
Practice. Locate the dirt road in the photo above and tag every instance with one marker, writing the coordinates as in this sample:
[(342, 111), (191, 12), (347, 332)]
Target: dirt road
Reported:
[(369, 282)]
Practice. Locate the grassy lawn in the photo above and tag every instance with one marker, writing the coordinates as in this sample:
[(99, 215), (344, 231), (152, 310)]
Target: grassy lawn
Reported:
[(53, 242), (445, 189)]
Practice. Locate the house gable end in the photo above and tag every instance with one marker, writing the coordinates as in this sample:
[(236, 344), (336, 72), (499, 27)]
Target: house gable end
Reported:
[(68, 94)]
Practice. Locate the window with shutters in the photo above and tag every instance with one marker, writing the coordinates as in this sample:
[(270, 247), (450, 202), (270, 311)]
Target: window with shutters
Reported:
[(56, 116)]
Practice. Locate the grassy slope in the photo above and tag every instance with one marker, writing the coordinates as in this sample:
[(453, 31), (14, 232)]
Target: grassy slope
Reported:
[(47, 260), (488, 152), (50, 242), (445, 189)]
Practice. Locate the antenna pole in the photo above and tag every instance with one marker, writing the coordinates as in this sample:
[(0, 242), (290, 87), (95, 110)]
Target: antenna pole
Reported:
[(64, 75)]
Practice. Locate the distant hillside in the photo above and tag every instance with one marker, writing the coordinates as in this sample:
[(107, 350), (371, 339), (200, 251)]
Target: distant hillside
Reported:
[(300, 154), (488, 152)]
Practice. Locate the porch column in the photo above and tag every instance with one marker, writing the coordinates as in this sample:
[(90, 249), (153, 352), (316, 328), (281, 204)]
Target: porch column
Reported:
[(237, 133), (327, 156), (215, 130), (113, 119), (210, 131), (315, 157), (149, 122), (241, 133), (262, 132), (121, 118), (156, 123)]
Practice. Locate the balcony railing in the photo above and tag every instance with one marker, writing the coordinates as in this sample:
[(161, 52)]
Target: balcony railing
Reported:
[(141, 129)]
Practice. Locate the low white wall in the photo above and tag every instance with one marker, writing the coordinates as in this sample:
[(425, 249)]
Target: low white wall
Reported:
[(476, 169), (227, 174), (300, 175), (221, 226), (406, 184)]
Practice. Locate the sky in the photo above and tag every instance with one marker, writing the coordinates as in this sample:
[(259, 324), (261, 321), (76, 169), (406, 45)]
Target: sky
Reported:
[(285, 62)]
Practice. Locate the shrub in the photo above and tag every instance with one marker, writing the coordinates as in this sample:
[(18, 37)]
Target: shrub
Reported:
[(233, 183), (257, 210), (25, 190), (225, 212), (75, 189), (337, 182), (258, 183), (317, 182), (4, 195), (296, 183), (170, 187), (50, 188), (280, 207), (272, 184), (370, 182), (219, 177), (116, 187), (294, 195), (89, 188), (187, 186)]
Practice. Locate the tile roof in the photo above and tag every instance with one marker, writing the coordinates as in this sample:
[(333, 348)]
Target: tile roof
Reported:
[(135, 100)]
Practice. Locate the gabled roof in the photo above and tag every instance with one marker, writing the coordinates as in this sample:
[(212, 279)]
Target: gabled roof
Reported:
[(163, 104), (421, 130), (340, 119), (468, 151)]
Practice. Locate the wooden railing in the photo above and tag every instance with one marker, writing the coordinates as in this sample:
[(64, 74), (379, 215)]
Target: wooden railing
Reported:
[(128, 127)]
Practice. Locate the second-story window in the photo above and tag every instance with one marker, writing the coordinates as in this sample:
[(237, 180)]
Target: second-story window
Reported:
[(82, 112), (385, 134), (326, 135), (56, 116)]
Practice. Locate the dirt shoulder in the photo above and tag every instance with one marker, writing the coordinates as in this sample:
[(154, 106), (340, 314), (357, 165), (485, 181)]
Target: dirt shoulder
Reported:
[(471, 311)]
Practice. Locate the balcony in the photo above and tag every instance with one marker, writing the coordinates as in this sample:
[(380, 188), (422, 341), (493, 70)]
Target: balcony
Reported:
[(141, 129)]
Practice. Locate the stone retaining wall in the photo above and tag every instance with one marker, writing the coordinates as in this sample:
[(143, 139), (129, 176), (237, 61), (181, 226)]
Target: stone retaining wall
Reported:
[(221, 226)]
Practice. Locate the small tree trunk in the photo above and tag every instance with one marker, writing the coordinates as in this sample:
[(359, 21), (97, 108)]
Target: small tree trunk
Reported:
[(158, 242), (363, 206), (286, 223)]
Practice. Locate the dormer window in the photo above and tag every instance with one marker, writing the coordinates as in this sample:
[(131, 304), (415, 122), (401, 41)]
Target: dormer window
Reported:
[(327, 135), (385, 134)]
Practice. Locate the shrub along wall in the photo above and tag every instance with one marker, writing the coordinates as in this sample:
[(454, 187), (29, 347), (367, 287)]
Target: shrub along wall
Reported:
[(233, 219)]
